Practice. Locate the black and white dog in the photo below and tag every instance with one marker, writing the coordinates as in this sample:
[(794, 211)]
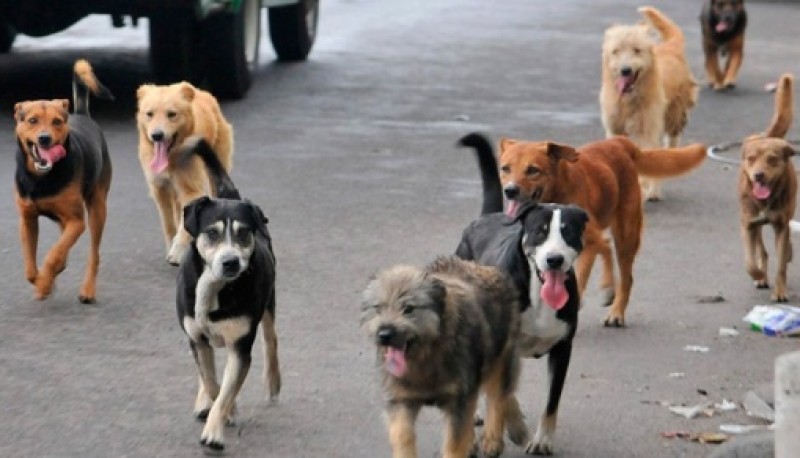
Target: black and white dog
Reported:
[(536, 248), (226, 287)]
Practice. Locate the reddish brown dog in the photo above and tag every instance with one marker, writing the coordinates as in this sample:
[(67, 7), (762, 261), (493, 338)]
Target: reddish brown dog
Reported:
[(602, 178), (63, 170), (768, 192)]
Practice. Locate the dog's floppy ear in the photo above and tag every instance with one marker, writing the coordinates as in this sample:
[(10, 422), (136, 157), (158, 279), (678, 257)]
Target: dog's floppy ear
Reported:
[(19, 111), (143, 89), (258, 220), (558, 151), (437, 292), (187, 91), (788, 151), (191, 214)]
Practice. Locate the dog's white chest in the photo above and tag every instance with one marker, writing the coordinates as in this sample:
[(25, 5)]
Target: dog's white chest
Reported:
[(540, 329)]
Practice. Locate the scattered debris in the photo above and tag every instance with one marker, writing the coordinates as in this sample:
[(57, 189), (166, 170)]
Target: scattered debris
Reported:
[(696, 348), (757, 408), (743, 429), (774, 320), (725, 406), (703, 438), (693, 411), (461, 117), (771, 87), (702, 392), (728, 332), (715, 299), (677, 374)]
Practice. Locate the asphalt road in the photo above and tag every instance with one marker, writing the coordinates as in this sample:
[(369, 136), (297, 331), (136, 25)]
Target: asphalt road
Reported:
[(351, 156)]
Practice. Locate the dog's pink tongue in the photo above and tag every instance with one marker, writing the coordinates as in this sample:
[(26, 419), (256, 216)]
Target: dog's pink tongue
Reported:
[(396, 362), (159, 161), (553, 291), (624, 83), (53, 154), (760, 191), (512, 207), (721, 26)]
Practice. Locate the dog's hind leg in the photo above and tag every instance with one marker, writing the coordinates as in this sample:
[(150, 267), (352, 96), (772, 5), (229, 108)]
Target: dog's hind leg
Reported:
[(459, 431), (236, 368), (783, 245), (97, 219), (499, 388), (627, 238), (593, 242), (607, 281), (400, 422), (557, 365), (272, 370)]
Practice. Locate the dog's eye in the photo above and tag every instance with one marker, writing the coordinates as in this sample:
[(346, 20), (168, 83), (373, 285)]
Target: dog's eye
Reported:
[(772, 161), (615, 52), (213, 234), (505, 169), (57, 123), (542, 231), (637, 51), (407, 310), (33, 120), (531, 170), (243, 235), (149, 114), (171, 114)]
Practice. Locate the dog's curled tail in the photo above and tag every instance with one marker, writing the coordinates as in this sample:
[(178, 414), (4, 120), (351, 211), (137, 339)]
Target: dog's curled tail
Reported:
[(84, 82), (669, 30), (197, 145), (669, 162), (782, 119), (487, 163)]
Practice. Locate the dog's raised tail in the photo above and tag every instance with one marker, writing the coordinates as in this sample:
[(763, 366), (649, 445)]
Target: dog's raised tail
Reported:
[(782, 119), (487, 163), (669, 30), (197, 145), (669, 162), (85, 82)]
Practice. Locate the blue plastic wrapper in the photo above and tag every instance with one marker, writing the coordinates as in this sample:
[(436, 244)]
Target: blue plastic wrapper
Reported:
[(775, 320)]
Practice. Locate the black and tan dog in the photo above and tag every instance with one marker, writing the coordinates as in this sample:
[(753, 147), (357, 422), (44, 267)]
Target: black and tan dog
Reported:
[(537, 248), (445, 333), (768, 193), (723, 23), (63, 170), (226, 287)]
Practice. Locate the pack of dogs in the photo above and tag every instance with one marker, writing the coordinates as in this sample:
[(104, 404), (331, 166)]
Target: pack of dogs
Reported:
[(456, 330)]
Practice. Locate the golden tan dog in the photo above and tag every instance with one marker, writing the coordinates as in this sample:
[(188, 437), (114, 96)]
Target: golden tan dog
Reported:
[(768, 192), (63, 171), (600, 177), (648, 89), (166, 116)]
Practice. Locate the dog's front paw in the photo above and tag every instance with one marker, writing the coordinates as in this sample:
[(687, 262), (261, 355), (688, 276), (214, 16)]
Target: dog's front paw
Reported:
[(761, 284), (491, 445), (43, 288), (31, 275), (542, 444), (614, 321), (212, 437), (779, 296), (176, 252)]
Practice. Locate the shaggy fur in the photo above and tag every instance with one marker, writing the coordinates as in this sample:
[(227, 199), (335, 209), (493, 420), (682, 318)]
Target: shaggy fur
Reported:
[(444, 334), (166, 116), (648, 88), (768, 192)]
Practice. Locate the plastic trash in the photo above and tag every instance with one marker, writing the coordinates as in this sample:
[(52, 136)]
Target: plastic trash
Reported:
[(774, 320)]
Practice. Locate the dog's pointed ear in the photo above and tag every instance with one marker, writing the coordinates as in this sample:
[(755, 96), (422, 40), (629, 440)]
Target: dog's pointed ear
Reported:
[(558, 151), (506, 143), (143, 90), (64, 103), (19, 111), (187, 91), (191, 215), (257, 219)]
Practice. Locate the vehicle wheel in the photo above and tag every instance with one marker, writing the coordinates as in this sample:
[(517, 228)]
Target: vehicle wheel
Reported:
[(231, 45), (7, 35), (293, 28), (174, 52)]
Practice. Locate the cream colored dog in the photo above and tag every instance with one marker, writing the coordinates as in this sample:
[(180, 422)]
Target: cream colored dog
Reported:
[(166, 116), (648, 89)]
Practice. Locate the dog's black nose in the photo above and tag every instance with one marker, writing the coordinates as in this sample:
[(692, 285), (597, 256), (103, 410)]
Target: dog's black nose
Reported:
[(385, 335), (555, 260), (230, 266), (157, 135), (44, 139), (626, 71), (759, 177), (511, 191)]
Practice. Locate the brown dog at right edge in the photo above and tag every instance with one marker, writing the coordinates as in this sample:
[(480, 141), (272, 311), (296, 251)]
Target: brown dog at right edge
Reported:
[(63, 171), (768, 192), (722, 23)]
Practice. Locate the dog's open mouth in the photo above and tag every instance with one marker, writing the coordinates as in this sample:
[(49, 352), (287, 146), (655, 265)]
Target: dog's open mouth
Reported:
[(44, 158), (722, 26), (160, 159), (761, 191), (394, 358), (554, 292), (513, 206), (626, 83)]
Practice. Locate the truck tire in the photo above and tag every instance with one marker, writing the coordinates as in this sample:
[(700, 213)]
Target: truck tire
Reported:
[(292, 29), (174, 51), (7, 35), (230, 44)]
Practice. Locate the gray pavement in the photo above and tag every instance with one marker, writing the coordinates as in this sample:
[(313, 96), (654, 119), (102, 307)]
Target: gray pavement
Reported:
[(351, 156)]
